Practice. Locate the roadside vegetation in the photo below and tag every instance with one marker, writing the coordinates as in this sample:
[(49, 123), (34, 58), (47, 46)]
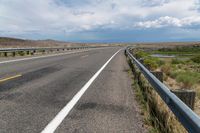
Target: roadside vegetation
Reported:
[(151, 62), (179, 50), (180, 72), (157, 116)]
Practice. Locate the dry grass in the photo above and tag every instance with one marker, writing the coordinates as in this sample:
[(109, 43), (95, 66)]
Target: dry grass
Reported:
[(161, 115), (157, 112)]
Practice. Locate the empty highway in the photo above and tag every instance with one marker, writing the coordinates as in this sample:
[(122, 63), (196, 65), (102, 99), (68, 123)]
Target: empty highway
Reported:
[(85, 92)]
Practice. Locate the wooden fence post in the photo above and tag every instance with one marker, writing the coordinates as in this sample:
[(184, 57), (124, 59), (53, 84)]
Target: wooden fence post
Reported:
[(187, 96)]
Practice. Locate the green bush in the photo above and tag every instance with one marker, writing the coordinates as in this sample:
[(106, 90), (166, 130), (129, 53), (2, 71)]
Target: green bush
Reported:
[(186, 77), (173, 74), (176, 61), (150, 63), (160, 62), (141, 54), (196, 59)]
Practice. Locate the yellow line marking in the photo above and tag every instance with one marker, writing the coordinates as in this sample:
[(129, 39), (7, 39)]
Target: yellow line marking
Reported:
[(9, 78)]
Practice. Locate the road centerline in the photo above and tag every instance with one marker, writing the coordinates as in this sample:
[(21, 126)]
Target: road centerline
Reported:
[(9, 78), (52, 126)]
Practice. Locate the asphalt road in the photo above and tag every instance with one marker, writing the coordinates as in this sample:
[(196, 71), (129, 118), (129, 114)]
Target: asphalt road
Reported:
[(33, 92)]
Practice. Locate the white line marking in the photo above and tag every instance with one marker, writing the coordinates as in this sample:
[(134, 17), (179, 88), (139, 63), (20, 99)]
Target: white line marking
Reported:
[(51, 127), (45, 56), (84, 56)]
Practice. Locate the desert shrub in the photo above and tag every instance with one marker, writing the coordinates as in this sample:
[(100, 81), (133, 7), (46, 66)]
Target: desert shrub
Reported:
[(151, 63), (176, 61), (188, 78), (196, 59), (141, 54), (179, 66), (161, 62), (173, 74), (166, 69)]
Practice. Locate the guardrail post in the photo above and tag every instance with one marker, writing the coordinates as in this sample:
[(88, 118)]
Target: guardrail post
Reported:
[(187, 96), (5, 54), (27, 51), (13, 54), (21, 53), (158, 75), (32, 53)]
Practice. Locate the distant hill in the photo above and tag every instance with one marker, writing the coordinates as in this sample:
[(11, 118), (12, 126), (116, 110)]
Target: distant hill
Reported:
[(6, 42), (7, 39)]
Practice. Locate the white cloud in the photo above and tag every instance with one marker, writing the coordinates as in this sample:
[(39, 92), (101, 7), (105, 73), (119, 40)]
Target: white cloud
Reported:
[(58, 16), (154, 2), (169, 22)]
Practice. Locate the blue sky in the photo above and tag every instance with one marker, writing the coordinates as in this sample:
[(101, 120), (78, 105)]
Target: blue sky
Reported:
[(101, 20)]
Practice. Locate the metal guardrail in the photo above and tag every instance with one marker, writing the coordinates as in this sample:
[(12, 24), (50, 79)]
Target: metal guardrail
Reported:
[(40, 48), (33, 50), (185, 115)]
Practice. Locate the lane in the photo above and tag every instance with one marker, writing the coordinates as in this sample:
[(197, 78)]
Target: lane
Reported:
[(4, 60), (108, 105), (24, 65), (37, 55), (30, 102), (52, 126)]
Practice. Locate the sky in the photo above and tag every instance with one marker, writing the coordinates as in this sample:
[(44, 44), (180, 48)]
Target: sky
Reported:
[(101, 20)]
